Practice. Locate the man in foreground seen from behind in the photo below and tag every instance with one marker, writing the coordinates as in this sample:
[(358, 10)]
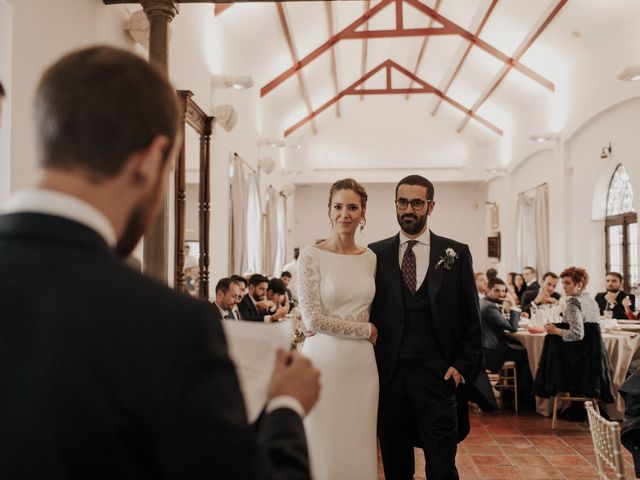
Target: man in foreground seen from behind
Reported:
[(107, 373)]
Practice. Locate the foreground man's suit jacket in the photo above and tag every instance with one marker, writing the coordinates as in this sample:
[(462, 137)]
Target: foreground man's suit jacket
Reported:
[(105, 373)]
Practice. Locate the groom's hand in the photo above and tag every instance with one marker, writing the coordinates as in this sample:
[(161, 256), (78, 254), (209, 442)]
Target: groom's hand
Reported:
[(452, 372)]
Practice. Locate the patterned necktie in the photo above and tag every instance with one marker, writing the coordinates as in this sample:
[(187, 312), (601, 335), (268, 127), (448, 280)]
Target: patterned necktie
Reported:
[(230, 315), (409, 267)]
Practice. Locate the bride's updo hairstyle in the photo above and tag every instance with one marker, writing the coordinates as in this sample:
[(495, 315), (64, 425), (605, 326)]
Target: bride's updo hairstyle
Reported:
[(349, 184)]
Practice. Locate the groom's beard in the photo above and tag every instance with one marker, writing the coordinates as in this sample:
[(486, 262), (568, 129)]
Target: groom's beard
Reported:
[(412, 223)]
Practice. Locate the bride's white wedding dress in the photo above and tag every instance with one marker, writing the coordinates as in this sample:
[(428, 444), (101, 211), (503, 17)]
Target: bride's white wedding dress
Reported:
[(335, 293)]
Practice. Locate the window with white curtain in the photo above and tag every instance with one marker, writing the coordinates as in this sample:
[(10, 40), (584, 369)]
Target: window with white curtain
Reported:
[(254, 225), (281, 221), (621, 229), (532, 229)]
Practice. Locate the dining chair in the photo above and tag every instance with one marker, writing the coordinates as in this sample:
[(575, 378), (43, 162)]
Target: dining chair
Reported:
[(606, 443)]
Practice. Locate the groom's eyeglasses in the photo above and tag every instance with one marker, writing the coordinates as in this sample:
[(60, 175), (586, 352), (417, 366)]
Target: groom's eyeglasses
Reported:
[(417, 203)]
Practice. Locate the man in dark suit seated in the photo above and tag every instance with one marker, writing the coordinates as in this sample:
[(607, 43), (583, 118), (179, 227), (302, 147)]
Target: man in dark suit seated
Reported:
[(495, 348), (544, 295), (254, 306), (531, 279), (240, 280), (227, 294), (611, 300), (110, 374)]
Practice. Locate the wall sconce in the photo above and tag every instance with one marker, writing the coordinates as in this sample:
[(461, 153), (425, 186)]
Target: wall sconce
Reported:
[(544, 137), (237, 82), (606, 152), (226, 116), (630, 73), (271, 142), (138, 28)]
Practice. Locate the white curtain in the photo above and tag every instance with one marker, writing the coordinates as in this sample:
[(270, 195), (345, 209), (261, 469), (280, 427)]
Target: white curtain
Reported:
[(532, 229), (271, 233), (237, 219), (282, 234), (541, 222), (254, 225)]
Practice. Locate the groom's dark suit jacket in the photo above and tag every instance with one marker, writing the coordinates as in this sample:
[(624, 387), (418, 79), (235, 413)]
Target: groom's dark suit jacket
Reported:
[(106, 374), (453, 300)]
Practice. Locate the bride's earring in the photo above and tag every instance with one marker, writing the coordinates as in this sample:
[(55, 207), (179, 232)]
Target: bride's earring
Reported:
[(363, 222)]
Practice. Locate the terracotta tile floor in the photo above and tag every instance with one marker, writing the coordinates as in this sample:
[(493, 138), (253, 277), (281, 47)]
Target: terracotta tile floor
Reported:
[(504, 445)]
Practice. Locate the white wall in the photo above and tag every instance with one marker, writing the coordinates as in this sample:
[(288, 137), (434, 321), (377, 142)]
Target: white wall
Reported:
[(459, 214)]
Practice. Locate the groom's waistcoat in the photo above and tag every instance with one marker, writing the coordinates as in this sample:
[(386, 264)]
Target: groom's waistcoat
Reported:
[(419, 339)]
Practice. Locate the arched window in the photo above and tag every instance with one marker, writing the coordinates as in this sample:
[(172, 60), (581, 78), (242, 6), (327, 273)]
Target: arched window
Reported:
[(621, 228)]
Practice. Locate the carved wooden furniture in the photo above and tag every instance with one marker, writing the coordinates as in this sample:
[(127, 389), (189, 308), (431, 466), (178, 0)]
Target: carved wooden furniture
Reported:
[(193, 116)]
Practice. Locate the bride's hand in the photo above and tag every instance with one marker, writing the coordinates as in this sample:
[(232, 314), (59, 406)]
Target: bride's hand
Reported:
[(373, 338)]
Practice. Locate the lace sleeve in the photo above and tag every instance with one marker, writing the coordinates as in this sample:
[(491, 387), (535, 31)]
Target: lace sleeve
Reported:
[(311, 307), (573, 316)]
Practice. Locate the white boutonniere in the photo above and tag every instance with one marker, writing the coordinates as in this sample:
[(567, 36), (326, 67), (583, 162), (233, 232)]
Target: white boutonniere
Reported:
[(446, 261)]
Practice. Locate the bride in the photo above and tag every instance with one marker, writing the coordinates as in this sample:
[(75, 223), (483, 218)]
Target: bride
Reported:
[(336, 286)]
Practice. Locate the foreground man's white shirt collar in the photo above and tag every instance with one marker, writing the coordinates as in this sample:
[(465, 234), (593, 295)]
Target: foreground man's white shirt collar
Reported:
[(49, 202)]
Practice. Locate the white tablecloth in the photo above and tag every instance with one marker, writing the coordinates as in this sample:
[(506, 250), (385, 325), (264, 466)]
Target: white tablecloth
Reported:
[(623, 347)]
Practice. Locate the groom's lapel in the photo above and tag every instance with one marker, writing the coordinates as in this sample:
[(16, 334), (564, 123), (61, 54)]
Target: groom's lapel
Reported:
[(435, 275), (393, 267)]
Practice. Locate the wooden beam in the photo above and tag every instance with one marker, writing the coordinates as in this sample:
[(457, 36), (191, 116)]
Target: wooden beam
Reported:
[(466, 54), (521, 50), (398, 33), (363, 70), (388, 65), (448, 28), (323, 48), (294, 58), (490, 49), (423, 47), (221, 7), (334, 69)]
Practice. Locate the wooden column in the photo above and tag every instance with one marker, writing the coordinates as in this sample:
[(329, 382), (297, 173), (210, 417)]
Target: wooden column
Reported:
[(156, 241)]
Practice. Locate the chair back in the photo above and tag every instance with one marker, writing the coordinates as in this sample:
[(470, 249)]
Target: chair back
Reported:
[(606, 443)]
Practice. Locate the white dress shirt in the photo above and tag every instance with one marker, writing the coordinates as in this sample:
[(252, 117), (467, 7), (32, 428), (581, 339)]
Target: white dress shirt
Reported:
[(421, 250), (60, 204)]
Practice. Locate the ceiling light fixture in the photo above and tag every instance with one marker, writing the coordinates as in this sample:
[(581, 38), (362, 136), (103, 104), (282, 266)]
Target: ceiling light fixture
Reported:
[(272, 142), (237, 82), (544, 137), (630, 73)]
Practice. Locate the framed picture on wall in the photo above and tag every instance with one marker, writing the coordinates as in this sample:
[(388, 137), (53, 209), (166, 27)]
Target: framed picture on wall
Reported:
[(493, 246), (494, 215)]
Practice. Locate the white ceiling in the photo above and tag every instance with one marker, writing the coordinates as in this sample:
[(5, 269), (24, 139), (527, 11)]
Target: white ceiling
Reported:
[(256, 32)]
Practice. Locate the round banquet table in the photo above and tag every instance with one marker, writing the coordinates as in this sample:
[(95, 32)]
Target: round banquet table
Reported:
[(623, 347)]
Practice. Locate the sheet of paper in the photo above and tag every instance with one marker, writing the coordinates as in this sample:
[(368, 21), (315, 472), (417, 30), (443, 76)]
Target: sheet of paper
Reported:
[(252, 347)]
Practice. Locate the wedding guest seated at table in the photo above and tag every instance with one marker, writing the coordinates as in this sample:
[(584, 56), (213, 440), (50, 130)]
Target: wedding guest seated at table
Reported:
[(612, 299), (626, 303), (492, 273), (240, 280), (511, 286), (582, 368), (581, 308), (531, 278), (253, 305), (276, 293), (227, 293), (495, 347), (545, 295), (482, 283)]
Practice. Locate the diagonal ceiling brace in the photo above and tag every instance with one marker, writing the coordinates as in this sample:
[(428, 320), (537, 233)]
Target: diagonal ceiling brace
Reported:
[(465, 55), (388, 65), (522, 49), (294, 57), (448, 28)]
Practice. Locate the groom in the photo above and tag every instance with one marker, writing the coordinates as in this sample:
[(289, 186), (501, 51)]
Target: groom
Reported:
[(427, 315)]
